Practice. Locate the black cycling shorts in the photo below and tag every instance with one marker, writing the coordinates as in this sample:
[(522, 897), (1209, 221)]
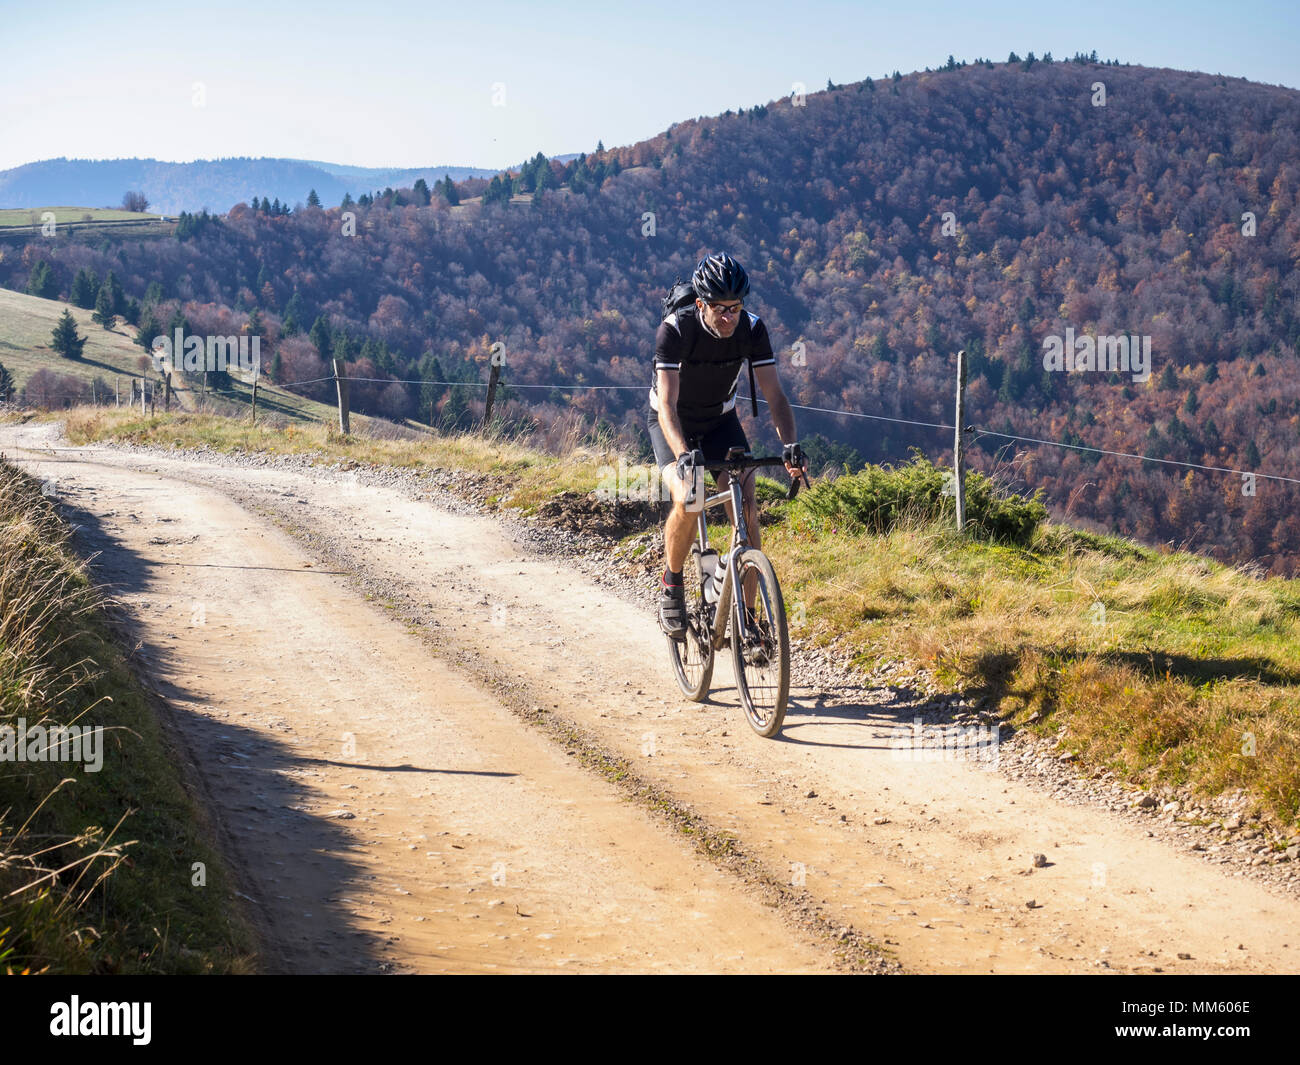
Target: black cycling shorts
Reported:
[(714, 440)]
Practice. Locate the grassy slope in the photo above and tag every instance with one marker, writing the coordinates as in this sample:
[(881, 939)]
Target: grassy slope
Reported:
[(1186, 674), (27, 322), (27, 216)]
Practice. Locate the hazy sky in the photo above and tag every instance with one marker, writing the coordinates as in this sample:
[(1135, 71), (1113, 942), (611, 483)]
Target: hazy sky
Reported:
[(411, 84)]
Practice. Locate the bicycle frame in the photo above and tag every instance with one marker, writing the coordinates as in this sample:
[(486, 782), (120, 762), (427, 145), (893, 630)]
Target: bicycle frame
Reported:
[(739, 541)]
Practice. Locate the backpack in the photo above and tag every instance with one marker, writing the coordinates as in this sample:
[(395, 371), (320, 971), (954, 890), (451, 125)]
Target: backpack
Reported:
[(681, 296)]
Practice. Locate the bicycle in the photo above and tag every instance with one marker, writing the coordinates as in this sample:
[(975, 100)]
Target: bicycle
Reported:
[(760, 646)]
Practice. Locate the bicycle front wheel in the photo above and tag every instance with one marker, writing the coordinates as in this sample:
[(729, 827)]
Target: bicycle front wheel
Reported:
[(692, 656), (762, 658)]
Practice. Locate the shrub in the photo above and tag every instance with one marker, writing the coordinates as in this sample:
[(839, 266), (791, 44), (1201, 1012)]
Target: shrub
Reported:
[(879, 497)]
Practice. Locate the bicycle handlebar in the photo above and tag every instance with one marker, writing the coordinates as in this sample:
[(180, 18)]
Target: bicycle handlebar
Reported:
[(745, 462)]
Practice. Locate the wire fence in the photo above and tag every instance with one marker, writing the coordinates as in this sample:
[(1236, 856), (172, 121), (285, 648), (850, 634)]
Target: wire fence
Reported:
[(843, 413)]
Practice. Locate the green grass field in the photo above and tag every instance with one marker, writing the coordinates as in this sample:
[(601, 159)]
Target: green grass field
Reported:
[(11, 217), (27, 322)]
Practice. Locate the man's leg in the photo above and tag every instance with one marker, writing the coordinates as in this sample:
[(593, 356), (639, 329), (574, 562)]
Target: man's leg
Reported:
[(679, 529)]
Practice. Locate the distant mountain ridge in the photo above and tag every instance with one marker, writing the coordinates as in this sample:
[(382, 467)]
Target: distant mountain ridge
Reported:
[(217, 184), (996, 208)]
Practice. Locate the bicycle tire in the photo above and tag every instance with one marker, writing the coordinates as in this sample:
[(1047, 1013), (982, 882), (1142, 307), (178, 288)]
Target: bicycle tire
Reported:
[(764, 688), (693, 656)]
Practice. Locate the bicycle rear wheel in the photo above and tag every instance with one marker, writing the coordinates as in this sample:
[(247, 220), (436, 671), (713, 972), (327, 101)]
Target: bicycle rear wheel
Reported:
[(763, 663), (692, 656)]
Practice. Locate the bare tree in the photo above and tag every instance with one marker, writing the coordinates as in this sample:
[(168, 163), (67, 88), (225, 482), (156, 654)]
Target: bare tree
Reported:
[(135, 201)]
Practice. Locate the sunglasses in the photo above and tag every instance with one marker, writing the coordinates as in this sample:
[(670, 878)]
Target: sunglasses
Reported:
[(724, 308)]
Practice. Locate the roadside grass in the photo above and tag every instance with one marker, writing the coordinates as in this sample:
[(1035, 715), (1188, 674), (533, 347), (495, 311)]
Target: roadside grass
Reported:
[(1164, 668), (96, 867), (529, 477)]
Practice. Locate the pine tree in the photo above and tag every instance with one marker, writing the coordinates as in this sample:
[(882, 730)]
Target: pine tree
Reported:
[(320, 336), (65, 339), (103, 313), (147, 331), (449, 191), (84, 288), (421, 190), (498, 191), (292, 312), (543, 181), (42, 281), (1008, 392), (6, 384), (115, 293), (312, 199)]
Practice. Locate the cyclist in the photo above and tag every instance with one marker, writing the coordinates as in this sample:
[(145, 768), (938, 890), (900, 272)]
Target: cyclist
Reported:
[(699, 353)]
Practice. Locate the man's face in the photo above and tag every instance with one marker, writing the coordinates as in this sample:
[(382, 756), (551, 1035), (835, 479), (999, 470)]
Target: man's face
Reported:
[(722, 317)]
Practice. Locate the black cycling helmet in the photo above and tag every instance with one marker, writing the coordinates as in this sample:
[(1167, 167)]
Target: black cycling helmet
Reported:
[(720, 277)]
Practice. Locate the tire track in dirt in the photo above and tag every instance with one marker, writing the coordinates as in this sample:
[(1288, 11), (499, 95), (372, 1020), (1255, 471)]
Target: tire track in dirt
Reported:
[(387, 813), (932, 858)]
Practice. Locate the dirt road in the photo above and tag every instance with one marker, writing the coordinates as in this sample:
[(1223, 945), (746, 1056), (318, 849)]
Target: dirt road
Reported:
[(391, 807)]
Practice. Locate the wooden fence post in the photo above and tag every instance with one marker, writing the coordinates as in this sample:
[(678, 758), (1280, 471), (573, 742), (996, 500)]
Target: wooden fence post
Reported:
[(959, 447), (340, 379), (494, 375)]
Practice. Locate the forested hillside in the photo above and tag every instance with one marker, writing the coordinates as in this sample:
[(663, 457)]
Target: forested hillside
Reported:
[(885, 225)]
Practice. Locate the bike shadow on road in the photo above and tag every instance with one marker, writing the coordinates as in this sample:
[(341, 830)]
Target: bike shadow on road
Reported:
[(876, 712)]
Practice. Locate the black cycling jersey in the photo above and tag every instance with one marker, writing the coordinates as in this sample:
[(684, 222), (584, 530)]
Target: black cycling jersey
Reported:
[(709, 366)]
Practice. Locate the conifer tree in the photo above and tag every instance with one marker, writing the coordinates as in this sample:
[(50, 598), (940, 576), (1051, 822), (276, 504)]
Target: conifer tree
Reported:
[(103, 312), (65, 339)]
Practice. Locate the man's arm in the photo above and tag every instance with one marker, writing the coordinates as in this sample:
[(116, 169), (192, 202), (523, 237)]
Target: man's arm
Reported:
[(669, 380), (769, 382)]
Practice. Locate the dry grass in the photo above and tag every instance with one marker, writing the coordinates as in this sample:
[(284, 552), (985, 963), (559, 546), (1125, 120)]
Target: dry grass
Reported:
[(75, 896), (1164, 668), (531, 476)]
